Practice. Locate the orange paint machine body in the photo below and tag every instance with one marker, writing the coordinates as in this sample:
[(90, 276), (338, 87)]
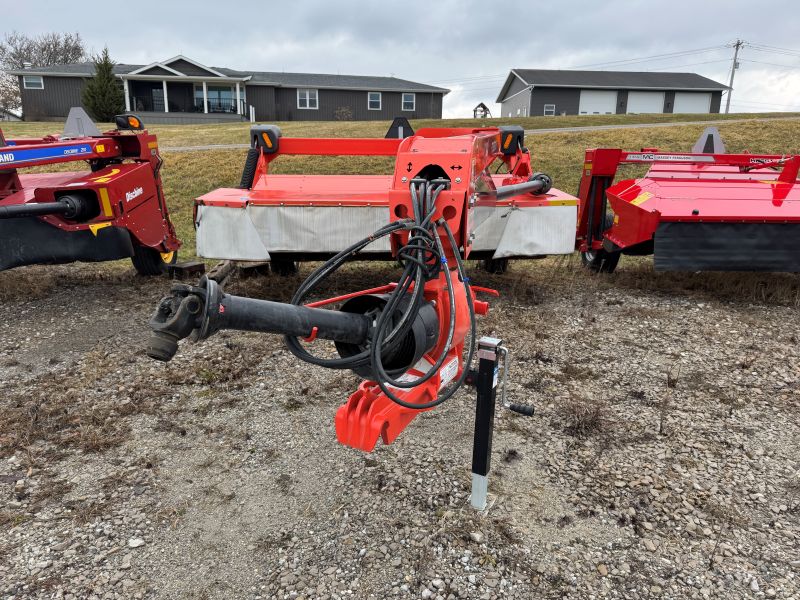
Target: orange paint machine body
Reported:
[(412, 341)]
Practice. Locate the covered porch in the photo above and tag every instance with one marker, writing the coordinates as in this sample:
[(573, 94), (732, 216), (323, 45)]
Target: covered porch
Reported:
[(175, 98)]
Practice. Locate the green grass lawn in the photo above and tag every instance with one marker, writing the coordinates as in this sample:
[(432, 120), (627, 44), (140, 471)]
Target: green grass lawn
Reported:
[(189, 174)]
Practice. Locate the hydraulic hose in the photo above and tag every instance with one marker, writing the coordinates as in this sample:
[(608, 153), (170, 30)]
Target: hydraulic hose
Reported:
[(423, 259)]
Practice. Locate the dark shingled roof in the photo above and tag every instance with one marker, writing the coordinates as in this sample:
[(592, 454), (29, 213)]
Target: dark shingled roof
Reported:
[(78, 69), (313, 80), (323, 80), (612, 80)]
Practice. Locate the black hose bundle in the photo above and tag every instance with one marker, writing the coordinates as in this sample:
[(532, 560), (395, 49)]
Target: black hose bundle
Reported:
[(422, 259)]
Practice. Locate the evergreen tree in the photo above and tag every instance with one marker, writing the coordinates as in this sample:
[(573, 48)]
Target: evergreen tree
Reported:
[(102, 95)]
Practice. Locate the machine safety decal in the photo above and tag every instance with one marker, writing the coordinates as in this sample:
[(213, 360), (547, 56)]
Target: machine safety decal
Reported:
[(448, 372)]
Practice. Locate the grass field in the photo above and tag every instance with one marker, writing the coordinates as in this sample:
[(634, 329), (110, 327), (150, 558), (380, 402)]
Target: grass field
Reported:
[(190, 174)]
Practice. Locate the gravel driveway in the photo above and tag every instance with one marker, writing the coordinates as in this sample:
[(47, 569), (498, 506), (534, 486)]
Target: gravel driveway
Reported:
[(663, 460)]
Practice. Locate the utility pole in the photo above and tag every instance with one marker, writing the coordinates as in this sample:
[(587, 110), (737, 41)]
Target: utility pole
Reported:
[(739, 44)]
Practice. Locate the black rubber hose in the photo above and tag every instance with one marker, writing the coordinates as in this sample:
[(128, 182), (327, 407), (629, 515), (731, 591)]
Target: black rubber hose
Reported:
[(249, 172)]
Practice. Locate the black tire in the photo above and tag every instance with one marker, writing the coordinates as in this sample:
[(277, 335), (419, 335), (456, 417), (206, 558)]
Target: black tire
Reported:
[(150, 262), (495, 266), (283, 267), (601, 261)]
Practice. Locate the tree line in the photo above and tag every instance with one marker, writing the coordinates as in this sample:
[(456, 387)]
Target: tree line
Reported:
[(102, 95)]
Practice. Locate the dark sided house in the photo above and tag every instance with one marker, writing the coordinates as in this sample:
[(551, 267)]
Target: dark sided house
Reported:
[(180, 90), (536, 92)]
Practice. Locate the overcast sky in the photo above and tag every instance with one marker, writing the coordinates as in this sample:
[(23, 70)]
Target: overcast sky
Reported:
[(466, 46)]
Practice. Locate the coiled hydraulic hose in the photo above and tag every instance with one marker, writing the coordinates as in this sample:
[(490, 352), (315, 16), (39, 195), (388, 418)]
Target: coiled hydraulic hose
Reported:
[(422, 259)]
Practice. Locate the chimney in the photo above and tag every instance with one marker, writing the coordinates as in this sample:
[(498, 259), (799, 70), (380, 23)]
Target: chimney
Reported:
[(27, 65)]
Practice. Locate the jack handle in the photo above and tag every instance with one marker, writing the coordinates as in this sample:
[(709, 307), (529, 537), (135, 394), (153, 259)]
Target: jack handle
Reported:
[(522, 409)]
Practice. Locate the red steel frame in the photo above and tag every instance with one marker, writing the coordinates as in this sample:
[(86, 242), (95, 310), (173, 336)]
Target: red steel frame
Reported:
[(271, 189), (130, 194), (463, 155), (681, 187)]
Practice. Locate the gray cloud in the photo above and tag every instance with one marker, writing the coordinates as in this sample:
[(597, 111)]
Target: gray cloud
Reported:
[(464, 45)]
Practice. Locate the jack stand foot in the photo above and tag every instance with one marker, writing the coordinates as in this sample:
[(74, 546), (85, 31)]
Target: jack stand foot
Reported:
[(480, 491)]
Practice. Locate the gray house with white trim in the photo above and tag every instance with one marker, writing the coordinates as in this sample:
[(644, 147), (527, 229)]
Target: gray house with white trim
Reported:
[(541, 92), (181, 90)]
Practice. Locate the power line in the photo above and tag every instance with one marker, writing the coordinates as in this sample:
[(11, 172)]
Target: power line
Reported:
[(759, 62), (461, 79), (653, 57), (707, 62), (774, 49)]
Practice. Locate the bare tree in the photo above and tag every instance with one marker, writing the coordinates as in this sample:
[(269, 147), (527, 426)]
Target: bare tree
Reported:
[(45, 50)]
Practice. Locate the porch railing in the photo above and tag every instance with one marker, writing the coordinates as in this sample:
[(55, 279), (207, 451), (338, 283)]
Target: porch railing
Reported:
[(215, 105), (218, 105)]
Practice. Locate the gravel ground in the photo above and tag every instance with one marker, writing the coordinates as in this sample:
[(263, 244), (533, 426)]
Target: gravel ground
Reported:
[(662, 461)]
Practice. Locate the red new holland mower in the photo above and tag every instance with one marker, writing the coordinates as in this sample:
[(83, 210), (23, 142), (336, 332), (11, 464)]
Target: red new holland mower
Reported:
[(700, 211), (113, 210), (412, 341)]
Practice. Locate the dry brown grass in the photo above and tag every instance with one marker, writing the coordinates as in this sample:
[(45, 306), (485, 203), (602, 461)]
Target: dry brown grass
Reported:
[(30, 283), (73, 410), (582, 418)]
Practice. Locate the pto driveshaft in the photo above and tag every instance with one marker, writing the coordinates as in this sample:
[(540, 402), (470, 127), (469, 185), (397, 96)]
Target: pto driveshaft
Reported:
[(202, 311)]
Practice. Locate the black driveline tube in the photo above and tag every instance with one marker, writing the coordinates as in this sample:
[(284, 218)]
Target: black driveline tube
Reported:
[(34, 209), (248, 314)]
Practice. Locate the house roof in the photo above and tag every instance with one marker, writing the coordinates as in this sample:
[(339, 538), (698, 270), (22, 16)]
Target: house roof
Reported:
[(632, 80), (168, 70), (324, 80)]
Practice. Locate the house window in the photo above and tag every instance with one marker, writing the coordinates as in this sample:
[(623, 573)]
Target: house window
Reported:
[(221, 98), (549, 110), (374, 100), (409, 101), (32, 82), (307, 99)]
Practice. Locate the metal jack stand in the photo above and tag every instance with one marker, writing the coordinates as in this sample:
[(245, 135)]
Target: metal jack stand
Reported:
[(485, 380)]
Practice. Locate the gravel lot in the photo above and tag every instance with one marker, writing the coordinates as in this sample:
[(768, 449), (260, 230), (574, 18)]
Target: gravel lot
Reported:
[(662, 461)]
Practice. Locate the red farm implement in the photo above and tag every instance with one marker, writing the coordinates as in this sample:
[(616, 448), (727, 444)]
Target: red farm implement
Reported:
[(413, 341), (115, 209), (287, 218), (700, 211)]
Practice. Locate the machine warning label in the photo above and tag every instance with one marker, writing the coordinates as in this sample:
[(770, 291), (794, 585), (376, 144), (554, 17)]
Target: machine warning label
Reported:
[(448, 372)]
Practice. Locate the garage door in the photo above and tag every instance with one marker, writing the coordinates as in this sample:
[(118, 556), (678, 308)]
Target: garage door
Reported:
[(692, 102), (641, 103), (598, 102)]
